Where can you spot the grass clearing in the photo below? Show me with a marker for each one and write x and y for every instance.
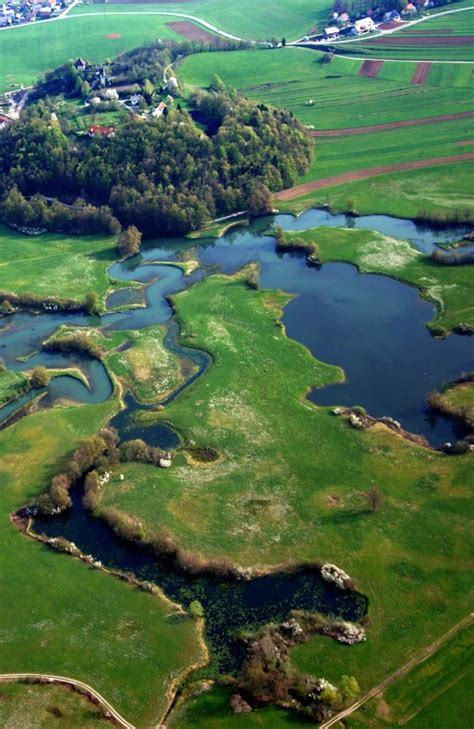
(60, 616)
(56, 265)
(284, 493)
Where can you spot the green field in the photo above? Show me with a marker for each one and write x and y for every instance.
(56, 265)
(437, 693)
(60, 616)
(450, 287)
(43, 707)
(27, 52)
(247, 19)
(292, 77)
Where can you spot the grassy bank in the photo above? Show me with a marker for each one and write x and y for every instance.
(55, 265)
(440, 190)
(290, 483)
(61, 617)
(12, 384)
(450, 287)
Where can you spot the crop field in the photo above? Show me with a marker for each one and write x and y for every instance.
(247, 19)
(36, 264)
(277, 494)
(27, 52)
(93, 627)
(435, 693)
(47, 706)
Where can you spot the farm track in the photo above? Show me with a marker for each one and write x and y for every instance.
(412, 663)
(82, 687)
(299, 190)
(350, 131)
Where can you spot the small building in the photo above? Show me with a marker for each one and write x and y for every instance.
(99, 131)
(135, 99)
(80, 64)
(364, 25)
(331, 33)
(410, 9)
(172, 84)
(45, 12)
(156, 113)
(343, 18)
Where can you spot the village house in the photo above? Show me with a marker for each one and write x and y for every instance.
(156, 113)
(331, 33)
(364, 25)
(99, 131)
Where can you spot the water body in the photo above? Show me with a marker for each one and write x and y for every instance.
(370, 325)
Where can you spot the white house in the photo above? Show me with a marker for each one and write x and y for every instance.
(365, 25)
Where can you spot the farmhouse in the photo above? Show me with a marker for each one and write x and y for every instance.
(365, 25)
(156, 113)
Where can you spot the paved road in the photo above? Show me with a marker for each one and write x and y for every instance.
(427, 653)
(63, 680)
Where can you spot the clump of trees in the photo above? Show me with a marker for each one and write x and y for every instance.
(129, 241)
(78, 342)
(39, 377)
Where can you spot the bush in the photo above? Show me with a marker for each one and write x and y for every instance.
(39, 377)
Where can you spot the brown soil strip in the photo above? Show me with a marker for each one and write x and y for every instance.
(113, 36)
(391, 125)
(299, 190)
(391, 24)
(466, 143)
(421, 72)
(370, 69)
(191, 32)
(429, 31)
(396, 40)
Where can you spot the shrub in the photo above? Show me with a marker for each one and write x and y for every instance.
(39, 377)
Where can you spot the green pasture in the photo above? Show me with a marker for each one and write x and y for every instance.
(445, 188)
(293, 77)
(450, 287)
(56, 265)
(289, 484)
(60, 616)
(246, 19)
(43, 707)
(27, 52)
(461, 23)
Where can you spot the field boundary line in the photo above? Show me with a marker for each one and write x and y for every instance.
(45, 678)
(308, 187)
(371, 128)
(412, 663)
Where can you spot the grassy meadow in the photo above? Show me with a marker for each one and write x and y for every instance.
(57, 265)
(449, 287)
(278, 493)
(59, 615)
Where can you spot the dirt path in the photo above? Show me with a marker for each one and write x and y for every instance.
(391, 125)
(80, 686)
(426, 653)
(305, 189)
